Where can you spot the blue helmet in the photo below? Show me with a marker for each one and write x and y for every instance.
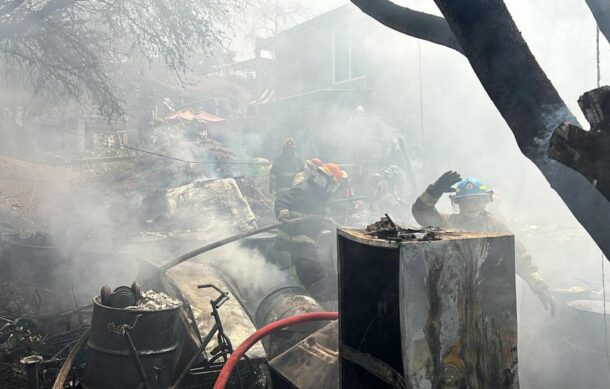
(471, 186)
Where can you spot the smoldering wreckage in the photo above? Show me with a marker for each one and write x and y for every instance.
(165, 275)
(394, 306)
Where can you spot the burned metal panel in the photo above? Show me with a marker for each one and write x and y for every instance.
(210, 203)
(458, 311)
(310, 364)
(369, 320)
(439, 314)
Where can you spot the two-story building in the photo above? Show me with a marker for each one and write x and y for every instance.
(341, 87)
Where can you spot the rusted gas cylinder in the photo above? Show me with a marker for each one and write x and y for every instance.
(157, 338)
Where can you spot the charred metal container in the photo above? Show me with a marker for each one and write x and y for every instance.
(438, 311)
(280, 304)
(129, 347)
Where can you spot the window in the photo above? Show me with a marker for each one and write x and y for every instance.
(348, 53)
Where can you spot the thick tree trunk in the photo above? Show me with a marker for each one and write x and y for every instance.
(525, 98)
(601, 13)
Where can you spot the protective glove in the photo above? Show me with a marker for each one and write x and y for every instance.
(283, 215)
(444, 184)
(546, 299)
(308, 270)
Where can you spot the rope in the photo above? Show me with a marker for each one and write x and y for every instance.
(598, 56)
(173, 158)
(421, 97)
(605, 317)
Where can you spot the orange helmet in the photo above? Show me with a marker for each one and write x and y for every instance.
(317, 162)
(289, 143)
(333, 170)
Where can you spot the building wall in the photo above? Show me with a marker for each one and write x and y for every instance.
(330, 65)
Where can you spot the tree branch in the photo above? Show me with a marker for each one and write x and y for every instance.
(601, 12)
(10, 7)
(527, 100)
(413, 23)
(518, 87)
(33, 19)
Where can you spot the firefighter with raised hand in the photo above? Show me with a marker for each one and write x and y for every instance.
(472, 196)
(285, 168)
(300, 239)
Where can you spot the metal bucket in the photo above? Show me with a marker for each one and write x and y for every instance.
(156, 336)
(587, 324)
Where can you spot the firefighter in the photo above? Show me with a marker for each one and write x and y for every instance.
(472, 196)
(388, 192)
(301, 239)
(284, 169)
(310, 166)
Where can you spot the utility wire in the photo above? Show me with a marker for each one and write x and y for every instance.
(173, 158)
(421, 99)
(603, 257)
(605, 317)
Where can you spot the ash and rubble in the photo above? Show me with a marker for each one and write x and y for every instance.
(154, 301)
(73, 222)
(386, 228)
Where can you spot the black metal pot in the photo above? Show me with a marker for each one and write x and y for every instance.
(156, 337)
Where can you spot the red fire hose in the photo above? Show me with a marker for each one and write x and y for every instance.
(225, 373)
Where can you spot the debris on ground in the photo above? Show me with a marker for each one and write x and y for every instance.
(26, 336)
(154, 301)
(385, 228)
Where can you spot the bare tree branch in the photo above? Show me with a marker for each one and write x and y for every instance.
(69, 48)
(523, 95)
(11, 6)
(413, 23)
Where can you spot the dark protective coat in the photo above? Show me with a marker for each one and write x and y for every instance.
(283, 170)
(301, 239)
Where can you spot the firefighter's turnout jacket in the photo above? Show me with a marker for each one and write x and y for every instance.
(426, 214)
(301, 239)
(283, 170)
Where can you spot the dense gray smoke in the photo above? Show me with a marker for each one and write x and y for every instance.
(106, 219)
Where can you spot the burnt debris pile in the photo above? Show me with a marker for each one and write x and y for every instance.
(386, 228)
